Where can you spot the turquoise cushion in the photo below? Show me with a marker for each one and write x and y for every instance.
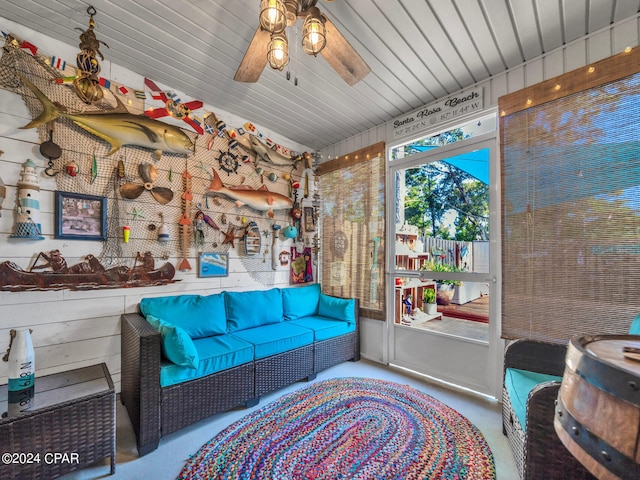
(635, 326)
(253, 308)
(337, 308)
(177, 346)
(216, 354)
(323, 327)
(301, 301)
(519, 384)
(199, 316)
(276, 338)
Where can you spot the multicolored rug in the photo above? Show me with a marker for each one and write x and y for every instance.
(347, 428)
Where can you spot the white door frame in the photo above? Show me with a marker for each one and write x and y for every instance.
(487, 357)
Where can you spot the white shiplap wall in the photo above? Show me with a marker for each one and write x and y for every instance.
(72, 329)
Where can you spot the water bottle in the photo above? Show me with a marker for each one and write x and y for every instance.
(22, 366)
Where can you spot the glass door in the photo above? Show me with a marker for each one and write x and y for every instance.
(443, 284)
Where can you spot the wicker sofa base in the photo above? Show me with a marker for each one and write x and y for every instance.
(335, 350)
(215, 393)
(273, 373)
(156, 411)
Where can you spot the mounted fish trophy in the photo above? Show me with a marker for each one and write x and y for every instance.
(118, 127)
(319, 35)
(148, 173)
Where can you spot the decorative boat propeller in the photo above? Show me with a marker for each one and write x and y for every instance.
(148, 173)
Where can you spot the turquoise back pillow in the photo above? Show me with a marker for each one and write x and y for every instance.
(337, 308)
(300, 302)
(252, 309)
(199, 316)
(635, 326)
(177, 346)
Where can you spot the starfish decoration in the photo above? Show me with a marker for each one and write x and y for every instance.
(136, 214)
(230, 236)
(266, 233)
(205, 169)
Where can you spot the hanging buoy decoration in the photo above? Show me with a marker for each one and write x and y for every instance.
(290, 231)
(163, 232)
(71, 168)
(126, 232)
(22, 365)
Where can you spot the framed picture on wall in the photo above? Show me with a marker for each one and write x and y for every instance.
(80, 217)
(212, 264)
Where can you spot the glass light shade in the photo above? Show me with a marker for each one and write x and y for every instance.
(272, 15)
(88, 89)
(278, 52)
(314, 35)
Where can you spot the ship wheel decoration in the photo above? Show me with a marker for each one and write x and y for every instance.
(228, 162)
(148, 173)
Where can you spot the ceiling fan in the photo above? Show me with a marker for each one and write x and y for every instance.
(320, 35)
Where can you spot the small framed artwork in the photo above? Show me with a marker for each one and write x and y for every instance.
(213, 264)
(80, 217)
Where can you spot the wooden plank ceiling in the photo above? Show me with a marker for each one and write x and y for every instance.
(418, 51)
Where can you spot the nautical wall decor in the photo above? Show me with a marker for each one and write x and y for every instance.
(28, 204)
(118, 166)
(87, 84)
(54, 274)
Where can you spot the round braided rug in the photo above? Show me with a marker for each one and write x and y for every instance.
(347, 428)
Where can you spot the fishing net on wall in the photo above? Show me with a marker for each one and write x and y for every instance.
(98, 174)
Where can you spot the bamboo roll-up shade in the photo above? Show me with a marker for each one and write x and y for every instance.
(571, 206)
(352, 231)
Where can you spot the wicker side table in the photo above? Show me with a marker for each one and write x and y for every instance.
(71, 425)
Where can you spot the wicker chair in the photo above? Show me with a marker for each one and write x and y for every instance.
(538, 451)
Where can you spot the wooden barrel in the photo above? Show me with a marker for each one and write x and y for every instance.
(598, 411)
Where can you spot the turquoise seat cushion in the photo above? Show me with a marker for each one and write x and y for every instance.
(519, 384)
(199, 316)
(177, 346)
(216, 354)
(337, 308)
(635, 326)
(253, 308)
(300, 302)
(323, 327)
(276, 338)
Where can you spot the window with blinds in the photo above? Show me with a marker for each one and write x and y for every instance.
(571, 203)
(352, 228)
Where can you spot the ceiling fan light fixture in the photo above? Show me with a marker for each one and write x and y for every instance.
(273, 15)
(314, 34)
(278, 51)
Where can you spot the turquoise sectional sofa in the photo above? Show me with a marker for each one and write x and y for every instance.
(187, 357)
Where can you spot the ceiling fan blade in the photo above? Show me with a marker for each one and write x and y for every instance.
(344, 59)
(255, 58)
(131, 191)
(162, 194)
